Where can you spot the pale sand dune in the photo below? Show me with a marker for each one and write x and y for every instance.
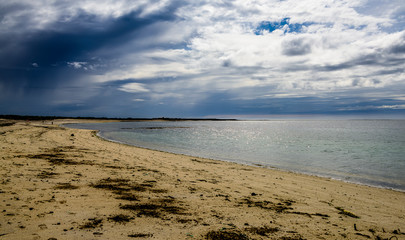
(58, 183)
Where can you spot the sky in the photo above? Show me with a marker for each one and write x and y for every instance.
(202, 58)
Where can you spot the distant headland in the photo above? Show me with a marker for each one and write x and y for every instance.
(42, 118)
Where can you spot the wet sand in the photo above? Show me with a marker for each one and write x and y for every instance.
(59, 183)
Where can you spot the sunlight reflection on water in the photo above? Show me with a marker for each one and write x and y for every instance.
(363, 151)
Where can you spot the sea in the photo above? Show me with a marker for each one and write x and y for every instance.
(368, 152)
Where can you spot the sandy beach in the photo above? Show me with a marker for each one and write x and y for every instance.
(60, 183)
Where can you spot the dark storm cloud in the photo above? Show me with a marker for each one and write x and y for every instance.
(44, 70)
(13, 7)
(75, 39)
(36, 58)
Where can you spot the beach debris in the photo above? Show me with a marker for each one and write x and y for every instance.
(92, 223)
(117, 184)
(363, 235)
(120, 186)
(347, 213)
(292, 238)
(280, 207)
(6, 124)
(127, 196)
(205, 161)
(54, 158)
(42, 226)
(396, 231)
(225, 235)
(120, 218)
(112, 166)
(185, 221)
(301, 213)
(46, 174)
(321, 215)
(65, 186)
(262, 231)
(152, 209)
(140, 235)
(59, 156)
(124, 189)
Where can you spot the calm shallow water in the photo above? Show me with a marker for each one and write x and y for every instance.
(369, 152)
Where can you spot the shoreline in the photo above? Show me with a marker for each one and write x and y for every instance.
(358, 182)
(260, 166)
(257, 165)
(68, 183)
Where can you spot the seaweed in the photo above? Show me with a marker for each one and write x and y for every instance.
(45, 174)
(46, 156)
(310, 214)
(92, 223)
(63, 161)
(140, 207)
(120, 218)
(140, 235)
(139, 187)
(127, 196)
(158, 190)
(184, 221)
(346, 213)
(112, 167)
(152, 210)
(225, 235)
(262, 231)
(321, 215)
(118, 185)
(149, 210)
(112, 187)
(363, 235)
(301, 213)
(166, 200)
(278, 207)
(57, 156)
(205, 162)
(55, 159)
(112, 184)
(391, 238)
(6, 124)
(292, 238)
(65, 186)
(123, 189)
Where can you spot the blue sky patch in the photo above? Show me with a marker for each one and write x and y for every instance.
(283, 24)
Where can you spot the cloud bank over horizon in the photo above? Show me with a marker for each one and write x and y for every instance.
(178, 58)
